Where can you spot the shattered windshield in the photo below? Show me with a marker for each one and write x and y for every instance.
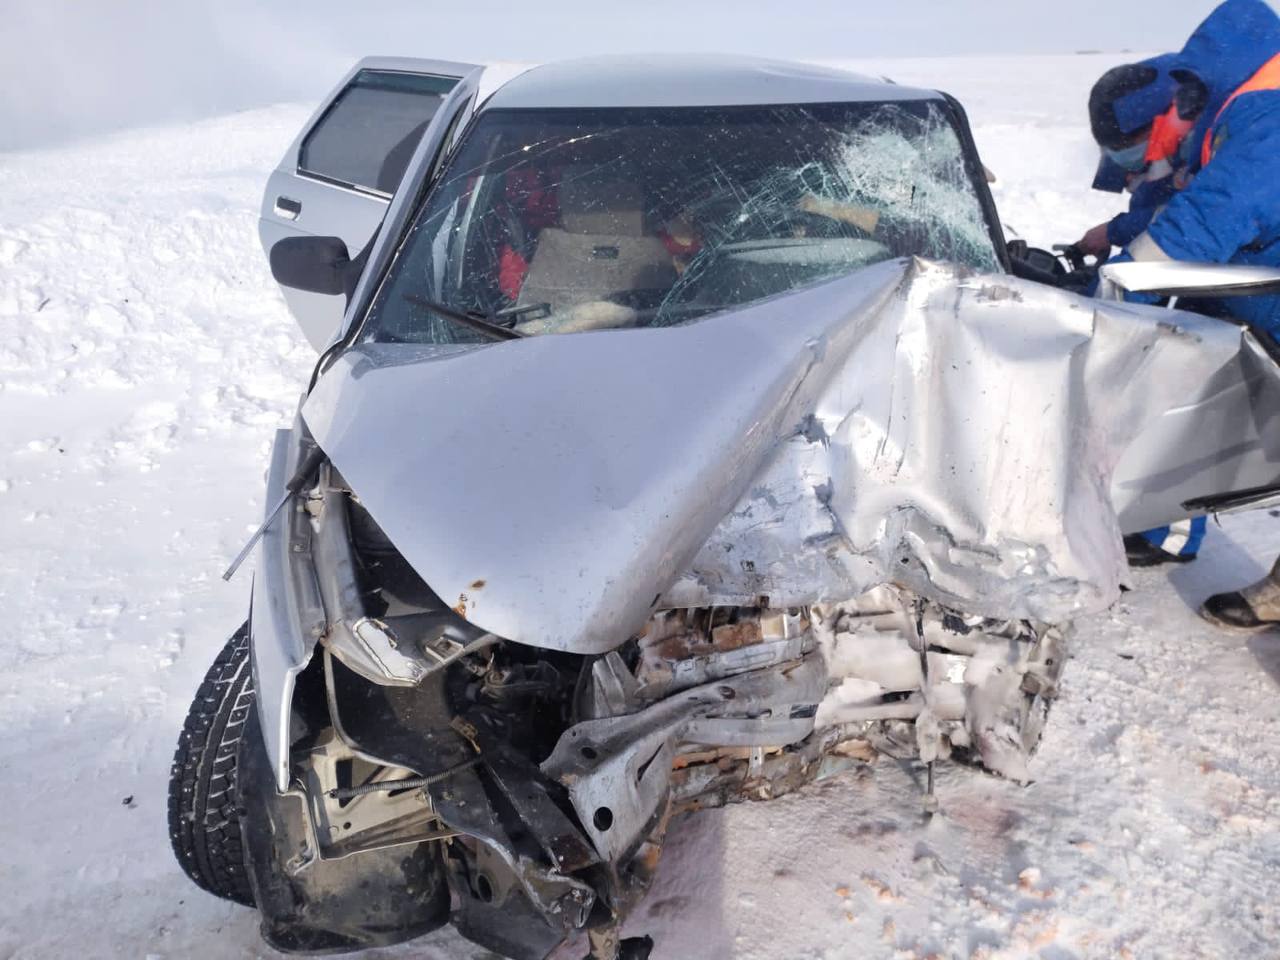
(562, 220)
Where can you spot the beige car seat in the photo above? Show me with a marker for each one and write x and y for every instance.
(600, 250)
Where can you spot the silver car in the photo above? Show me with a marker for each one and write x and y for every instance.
(682, 433)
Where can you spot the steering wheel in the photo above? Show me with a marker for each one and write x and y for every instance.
(1072, 254)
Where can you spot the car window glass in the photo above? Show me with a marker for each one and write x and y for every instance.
(560, 220)
(366, 138)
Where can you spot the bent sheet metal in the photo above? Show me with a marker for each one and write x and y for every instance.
(962, 436)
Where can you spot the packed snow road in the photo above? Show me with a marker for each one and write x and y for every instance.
(145, 359)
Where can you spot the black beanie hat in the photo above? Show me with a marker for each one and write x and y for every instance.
(1117, 83)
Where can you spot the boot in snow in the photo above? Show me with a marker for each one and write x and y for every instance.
(1141, 552)
(1254, 608)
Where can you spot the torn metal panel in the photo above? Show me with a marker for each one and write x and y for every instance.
(617, 769)
(968, 453)
(287, 614)
(909, 423)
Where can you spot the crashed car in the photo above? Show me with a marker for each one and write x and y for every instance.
(688, 434)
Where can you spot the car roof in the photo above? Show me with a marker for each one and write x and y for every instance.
(447, 68)
(680, 80)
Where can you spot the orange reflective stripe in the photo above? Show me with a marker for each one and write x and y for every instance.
(1167, 133)
(1267, 78)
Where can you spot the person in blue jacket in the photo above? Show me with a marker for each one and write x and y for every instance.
(1228, 76)
(1135, 124)
(1229, 86)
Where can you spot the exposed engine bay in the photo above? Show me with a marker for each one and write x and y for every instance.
(533, 787)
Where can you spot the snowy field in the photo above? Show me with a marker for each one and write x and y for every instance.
(145, 358)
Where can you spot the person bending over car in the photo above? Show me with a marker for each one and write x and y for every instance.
(1228, 76)
(1136, 124)
(1229, 87)
(1137, 128)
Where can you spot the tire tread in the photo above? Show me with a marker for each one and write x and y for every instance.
(204, 819)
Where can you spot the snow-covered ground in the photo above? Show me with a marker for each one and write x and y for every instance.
(146, 356)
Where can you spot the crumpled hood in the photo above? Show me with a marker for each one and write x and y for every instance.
(907, 423)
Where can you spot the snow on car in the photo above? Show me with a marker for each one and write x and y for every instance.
(522, 597)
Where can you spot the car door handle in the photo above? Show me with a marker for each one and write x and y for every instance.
(288, 207)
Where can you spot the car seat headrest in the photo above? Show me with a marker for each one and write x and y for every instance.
(601, 203)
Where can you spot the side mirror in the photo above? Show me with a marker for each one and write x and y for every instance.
(313, 264)
(1181, 278)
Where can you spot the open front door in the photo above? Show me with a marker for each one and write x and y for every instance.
(338, 176)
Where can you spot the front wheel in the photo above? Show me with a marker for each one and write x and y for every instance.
(204, 818)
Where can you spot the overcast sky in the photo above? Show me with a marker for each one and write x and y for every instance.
(75, 67)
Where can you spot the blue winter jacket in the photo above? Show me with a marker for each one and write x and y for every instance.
(1230, 212)
(1143, 205)
(1228, 48)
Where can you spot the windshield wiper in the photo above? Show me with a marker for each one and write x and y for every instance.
(472, 321)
